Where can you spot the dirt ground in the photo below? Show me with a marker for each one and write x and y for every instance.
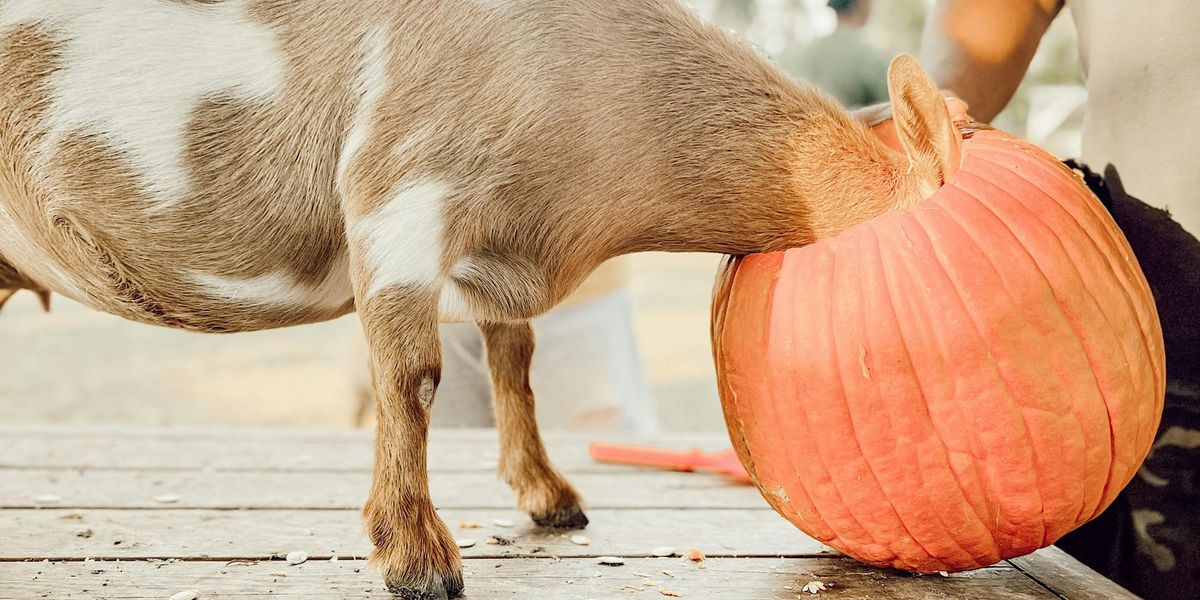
(78, 366)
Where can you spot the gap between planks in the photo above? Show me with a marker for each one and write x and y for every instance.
(1067, 578)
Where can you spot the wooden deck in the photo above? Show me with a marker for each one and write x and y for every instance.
(147, 513)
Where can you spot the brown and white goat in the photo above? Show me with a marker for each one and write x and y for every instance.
(231, 165)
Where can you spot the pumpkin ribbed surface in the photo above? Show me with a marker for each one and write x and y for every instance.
(952, 384)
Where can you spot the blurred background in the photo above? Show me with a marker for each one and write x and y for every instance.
(76, 366)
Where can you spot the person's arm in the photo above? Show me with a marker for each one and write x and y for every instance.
(979, 50)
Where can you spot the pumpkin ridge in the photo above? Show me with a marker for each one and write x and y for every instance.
(773, 405)
(1066, 316)
(906, 221)
(924, 400)
(988, 487)
(887, 301)
(722, 298)
(1009, 394)
(1123, 283)
(957, 221)
(850, 420)
(910, 527)
(738, 413)
(863, 340)
(1085, 341)
(829, 534)
(834, 484)
(1113, 247)
(1073, 321)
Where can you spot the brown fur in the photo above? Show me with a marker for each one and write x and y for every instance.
(26, 56)
(541, 490)
(572, 132)
(412, 544)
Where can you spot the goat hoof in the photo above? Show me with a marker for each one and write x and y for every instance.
(568, 518)
(438, 589)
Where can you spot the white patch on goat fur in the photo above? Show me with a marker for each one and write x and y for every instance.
(453, 306)
(370, 85)
(280, 289)
(403, 240)
(133, 72)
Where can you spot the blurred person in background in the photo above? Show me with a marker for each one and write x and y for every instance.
(1141, 144)
(844, 64)
(587, 371)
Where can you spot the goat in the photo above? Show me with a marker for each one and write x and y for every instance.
(233, 165)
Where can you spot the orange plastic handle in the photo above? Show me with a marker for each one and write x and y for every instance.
(677, 460)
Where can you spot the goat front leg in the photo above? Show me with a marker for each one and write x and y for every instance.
(413, 547)
(541, 490)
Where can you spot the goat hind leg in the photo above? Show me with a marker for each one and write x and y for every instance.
(541, 490)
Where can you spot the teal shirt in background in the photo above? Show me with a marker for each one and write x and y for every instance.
(845, 65)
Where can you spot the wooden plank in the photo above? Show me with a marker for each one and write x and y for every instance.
(216, 433)
(543, 579)
(263, 455)
(229, 534)
(223, 434)
(270, 450)
(1069, 578)
(332, 490)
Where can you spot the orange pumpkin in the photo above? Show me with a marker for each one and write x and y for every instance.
(951, 384)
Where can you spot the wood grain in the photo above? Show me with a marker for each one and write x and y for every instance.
(256, 449)
(343, 490)
(243, 497)
(1070, 579)
(541, 579)
(228, 534)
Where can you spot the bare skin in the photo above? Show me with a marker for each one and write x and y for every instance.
(978, 51)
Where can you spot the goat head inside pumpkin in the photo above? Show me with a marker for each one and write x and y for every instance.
(952, 383)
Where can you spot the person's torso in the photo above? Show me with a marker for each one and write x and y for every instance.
(1142, 62)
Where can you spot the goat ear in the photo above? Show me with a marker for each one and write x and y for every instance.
(922, 121)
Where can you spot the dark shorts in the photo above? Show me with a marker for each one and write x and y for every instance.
(1149, 539)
